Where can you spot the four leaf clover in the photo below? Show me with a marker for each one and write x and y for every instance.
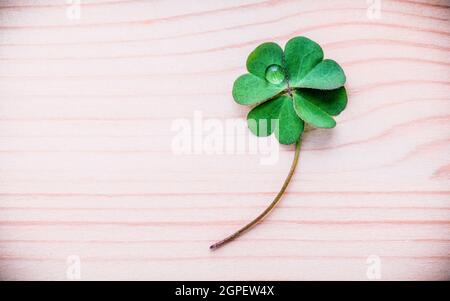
(289, 88)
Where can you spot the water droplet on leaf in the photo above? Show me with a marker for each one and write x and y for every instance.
(275, 74)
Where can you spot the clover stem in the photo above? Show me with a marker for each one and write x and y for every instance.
(266, 212)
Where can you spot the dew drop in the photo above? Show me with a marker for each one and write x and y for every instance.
(275, 74)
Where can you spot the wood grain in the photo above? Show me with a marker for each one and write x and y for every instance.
(87, 167)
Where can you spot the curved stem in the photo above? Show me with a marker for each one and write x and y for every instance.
(268, 209)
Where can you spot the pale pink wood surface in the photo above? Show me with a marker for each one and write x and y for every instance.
(87, 169)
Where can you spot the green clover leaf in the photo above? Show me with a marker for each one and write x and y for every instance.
(297, 80)
(277, 115)
(288, 88)
(249, 89)
(301, 55)
(263, 56)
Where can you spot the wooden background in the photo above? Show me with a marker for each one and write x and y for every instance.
(87, 167)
